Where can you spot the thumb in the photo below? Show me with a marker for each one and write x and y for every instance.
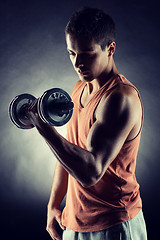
(59, 220)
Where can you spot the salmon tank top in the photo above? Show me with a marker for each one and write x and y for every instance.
(116, 197)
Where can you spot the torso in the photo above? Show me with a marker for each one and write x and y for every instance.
(115, 198)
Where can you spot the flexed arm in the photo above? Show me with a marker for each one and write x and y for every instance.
(116, 118)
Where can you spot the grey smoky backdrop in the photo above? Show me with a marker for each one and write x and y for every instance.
(33, 58)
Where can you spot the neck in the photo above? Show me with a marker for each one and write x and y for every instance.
(96, 84)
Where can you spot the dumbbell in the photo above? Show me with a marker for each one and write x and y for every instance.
(55, 107)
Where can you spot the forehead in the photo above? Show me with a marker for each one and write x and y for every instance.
(81, 44)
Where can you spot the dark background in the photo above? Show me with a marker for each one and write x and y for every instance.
(33, 58)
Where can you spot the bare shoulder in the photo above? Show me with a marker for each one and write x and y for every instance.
(131, 96)
(122, 95)
(122, 98)
(127, 90)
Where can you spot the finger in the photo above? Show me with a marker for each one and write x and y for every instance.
(58, 218)
(33, 105)
(61, 225)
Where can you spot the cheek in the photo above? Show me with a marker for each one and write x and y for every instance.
(103, 62)
(72, 61)
(100, 65)
(97, 65)
(93, 63)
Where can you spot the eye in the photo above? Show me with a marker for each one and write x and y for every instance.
(89, 55)
(71, 53)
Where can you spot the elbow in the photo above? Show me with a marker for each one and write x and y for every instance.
(91, 172)
(87, 184)
(92, 177)
(90, 182)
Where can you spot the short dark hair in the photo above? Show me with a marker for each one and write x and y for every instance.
(92, 22)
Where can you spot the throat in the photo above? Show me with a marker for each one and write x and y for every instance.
(92, 87)
(89, 88)
(87, 94)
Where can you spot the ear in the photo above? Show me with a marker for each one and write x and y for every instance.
(111, 48)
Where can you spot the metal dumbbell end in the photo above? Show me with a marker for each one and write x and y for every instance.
(55, 107)
(17, 110)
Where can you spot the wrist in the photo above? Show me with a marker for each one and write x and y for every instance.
(53, 205)
(45, 130)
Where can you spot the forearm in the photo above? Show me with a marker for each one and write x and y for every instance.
(77, 161)
(59, 186)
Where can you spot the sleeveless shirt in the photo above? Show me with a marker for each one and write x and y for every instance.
(116, 197)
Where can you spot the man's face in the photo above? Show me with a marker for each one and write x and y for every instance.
(87, 57)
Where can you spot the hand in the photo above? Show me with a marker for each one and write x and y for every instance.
(32, 114)
(54, 219)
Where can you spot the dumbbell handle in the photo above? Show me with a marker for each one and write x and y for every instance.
(56, 107)
(53, 107)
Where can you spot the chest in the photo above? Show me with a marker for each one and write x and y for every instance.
(92, 103)
(86, 97)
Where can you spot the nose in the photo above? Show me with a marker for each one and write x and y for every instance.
(78, 61)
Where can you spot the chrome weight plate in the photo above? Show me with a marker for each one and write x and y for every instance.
(55, 107)
(17, 109)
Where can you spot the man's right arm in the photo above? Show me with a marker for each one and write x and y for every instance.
(59, 189)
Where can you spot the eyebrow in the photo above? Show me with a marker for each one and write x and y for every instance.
(84, 50)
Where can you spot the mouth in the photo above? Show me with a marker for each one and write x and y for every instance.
(83, 73)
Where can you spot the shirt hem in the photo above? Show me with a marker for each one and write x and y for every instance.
(97, 227)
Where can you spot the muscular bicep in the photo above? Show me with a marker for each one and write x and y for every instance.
(115, 119)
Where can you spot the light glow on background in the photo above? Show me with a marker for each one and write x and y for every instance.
(33, 58)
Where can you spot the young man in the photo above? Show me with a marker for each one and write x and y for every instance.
(96, 163)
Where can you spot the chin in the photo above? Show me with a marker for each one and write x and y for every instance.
(86, 79)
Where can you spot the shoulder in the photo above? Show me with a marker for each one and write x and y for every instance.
(123, 93)
(78, 83)
(123, 99)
